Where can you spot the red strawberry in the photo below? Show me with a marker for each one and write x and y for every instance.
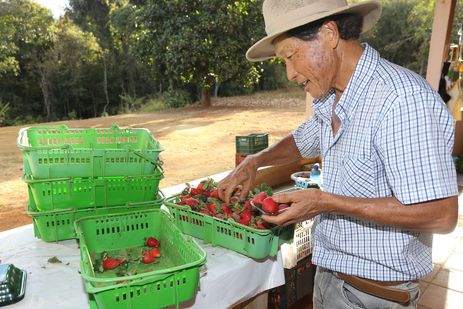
(259, 197)
(110, 263)
(242, 221)
(262, 226)
(246, 215)
(147, 258)
(215, 194)
(200, 188)
(247, 204)
(155, 252)
(194, 191)
(212, 207)
(191, 201)
(269, 205)
(205, 212)
(226, 210)
(152, 242)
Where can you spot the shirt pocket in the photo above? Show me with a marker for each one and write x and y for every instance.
(358, 177)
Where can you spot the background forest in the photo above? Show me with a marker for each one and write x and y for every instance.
(106, 57)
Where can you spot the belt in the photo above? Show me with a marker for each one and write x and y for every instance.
(381, 289)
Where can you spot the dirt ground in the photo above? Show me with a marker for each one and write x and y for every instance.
(198, 142)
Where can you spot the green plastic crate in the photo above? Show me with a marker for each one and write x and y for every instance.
(248, 241)
(59, 225)
(59, 151)
(252, 143)
(175, 278)
(89, 192)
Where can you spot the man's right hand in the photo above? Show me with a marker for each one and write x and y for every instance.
(244, 174)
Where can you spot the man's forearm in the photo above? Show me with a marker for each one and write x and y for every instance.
(282, 152)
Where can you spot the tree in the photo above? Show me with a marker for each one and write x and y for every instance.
(403, 32)
(64, 70)
(201, 42)
(26, 37)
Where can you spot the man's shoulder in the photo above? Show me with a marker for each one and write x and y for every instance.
(399, 79)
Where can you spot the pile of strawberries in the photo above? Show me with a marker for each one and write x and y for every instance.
(204, 199)
(148, 256)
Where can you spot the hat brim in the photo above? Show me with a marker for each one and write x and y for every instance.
(264, 49)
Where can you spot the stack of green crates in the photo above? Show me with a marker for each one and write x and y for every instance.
(249, 144)
(72, 173)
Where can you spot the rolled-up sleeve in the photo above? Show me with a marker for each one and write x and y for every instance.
(415, 141)
(307, 137)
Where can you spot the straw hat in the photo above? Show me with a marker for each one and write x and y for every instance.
(283, 15)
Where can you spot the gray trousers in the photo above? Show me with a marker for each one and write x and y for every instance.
(330, 292)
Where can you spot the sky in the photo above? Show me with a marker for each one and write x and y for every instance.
(56, 6)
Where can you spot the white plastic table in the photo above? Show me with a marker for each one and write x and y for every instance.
(228, 278)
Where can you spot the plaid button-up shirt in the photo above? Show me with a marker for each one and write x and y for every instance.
(395, 139)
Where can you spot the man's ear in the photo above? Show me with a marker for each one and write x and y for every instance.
(331, 32)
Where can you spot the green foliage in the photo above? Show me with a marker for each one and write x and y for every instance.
(72, 115)
(4, 107)
(403, 32)
(25, 33)
(131, 103)
(200, 42)
(176, 98)
(153, 104)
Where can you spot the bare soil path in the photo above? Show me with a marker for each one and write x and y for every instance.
(198, 142)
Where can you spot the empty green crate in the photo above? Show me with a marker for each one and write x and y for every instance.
(59, 225)
(248, 241)
(59, 151)
(174, 279)
(62, 193)
(252, 143)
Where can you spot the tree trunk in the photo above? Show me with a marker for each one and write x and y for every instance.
(45, 86)
(206, 97)
(216, 88)
(105, 87)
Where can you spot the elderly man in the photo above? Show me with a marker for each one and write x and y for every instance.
(385, 139)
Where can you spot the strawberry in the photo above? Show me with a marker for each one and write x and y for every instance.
(191, 201)
(147, 258)
(194, 191)
(110, 263)
(259, 197)
(269, 205)
(200, 188)
(262, 226)
(242, 221)
(205, 212)
(247, 204)
(152, 242)
(212, 207)
(226, 210)
(155, 252)
(215, 194)
(246, 215)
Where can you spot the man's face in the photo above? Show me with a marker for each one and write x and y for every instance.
(309, 63)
